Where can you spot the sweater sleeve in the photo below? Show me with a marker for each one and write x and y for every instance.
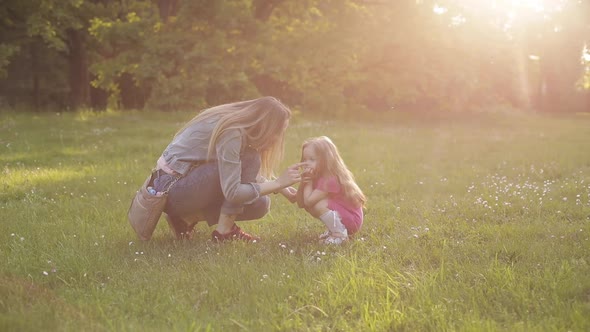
(228, 148)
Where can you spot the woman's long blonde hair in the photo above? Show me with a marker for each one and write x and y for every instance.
(263, 122)
(330, 163)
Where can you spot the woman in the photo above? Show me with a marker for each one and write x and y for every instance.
(219, 162)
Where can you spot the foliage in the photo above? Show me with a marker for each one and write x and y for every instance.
(323, 56)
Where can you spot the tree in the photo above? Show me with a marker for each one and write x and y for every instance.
(50, 29)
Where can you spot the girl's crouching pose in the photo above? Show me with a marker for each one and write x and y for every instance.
(328, 190)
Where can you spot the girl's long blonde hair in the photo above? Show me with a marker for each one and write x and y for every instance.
(263, 122)
(330, 163)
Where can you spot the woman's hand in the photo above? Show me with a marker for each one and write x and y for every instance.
(290, 176)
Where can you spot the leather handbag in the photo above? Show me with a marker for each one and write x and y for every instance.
(146, 208)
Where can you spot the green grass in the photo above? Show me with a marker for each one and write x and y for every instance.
(478, 224)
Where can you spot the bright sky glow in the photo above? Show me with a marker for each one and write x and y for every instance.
(439, 10)
(509, 12)
(536, 5)
(507, 5)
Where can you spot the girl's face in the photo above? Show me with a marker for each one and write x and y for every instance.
(310, 158)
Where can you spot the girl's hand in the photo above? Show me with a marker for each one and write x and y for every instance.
(307, 175)
(290, 193)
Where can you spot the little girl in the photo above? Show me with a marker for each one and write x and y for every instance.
(328, 190)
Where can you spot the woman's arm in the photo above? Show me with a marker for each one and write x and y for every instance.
(289, 177)
(289, 192)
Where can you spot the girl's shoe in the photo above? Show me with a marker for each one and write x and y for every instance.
(324, 235)
(337, 240)
(236, 233)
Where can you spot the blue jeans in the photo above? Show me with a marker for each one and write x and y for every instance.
(199, 192)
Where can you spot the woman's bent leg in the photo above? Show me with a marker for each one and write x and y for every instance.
(230, 212)
(256, 210)
(187, 198)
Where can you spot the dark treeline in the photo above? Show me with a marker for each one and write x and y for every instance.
(317, 55)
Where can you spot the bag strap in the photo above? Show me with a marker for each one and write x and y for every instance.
(176, 178)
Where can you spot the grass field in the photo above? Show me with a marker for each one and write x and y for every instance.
(479, 224)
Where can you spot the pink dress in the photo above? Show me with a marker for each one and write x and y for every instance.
(352, 216)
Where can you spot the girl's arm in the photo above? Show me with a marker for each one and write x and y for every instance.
(312, 196)
(299, 197)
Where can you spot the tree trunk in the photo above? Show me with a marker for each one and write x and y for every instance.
(78, 65)
(167, 8)
(263, 8)
(35, 73)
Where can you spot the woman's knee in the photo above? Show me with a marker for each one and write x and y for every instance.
(258, 209)
(261, 206)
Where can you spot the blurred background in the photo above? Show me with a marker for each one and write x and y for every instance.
(320, 56)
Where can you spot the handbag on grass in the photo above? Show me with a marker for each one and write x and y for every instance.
(146, 208)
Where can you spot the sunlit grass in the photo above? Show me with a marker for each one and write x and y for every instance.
(472, 224)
